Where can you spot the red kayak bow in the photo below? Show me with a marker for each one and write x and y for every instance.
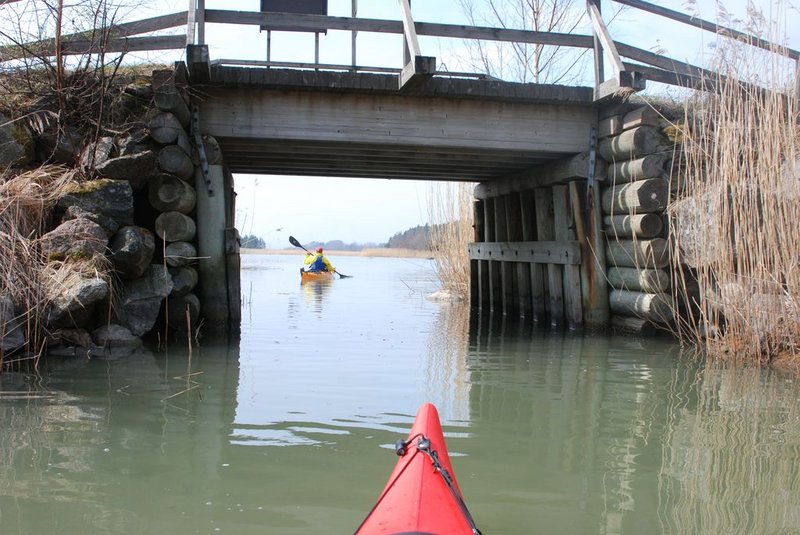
(422, 496)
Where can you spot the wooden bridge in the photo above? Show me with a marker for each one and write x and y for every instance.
(541, 153)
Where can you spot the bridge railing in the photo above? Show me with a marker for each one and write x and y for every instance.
(631, 65)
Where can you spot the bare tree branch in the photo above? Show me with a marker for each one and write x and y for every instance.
(528, 62)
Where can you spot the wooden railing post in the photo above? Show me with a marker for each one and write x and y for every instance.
(353, 34)
(416, 67)
(599, 69)
(201, 22)
(196, 23)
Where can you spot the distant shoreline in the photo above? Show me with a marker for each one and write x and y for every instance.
(375, 252)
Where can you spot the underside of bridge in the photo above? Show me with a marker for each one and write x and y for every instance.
(511, 138)
(337, 124)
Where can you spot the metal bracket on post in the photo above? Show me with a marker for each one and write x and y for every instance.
(592, 156)
(590, 178)
(201, 149)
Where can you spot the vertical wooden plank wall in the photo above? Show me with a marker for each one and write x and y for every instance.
(479, 269)
(522, 277)
(543, 200)
(562, 225)
(495, 285)
(506, 267)
(533, 256)
(534, 271)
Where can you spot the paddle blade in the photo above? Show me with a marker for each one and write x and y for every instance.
(341, 276)
(294, 242)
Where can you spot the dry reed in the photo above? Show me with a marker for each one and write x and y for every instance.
(451, 218)
(735, 220)
(25, 204)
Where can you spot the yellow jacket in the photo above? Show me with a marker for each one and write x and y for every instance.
(312, 258)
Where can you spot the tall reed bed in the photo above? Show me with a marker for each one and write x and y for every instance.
(736, 219)
(450, 214)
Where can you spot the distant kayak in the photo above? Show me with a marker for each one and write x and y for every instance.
(309, 276)
(422, 496)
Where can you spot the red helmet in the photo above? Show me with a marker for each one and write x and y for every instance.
(319, 249)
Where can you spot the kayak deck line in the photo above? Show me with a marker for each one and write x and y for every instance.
(422, 494)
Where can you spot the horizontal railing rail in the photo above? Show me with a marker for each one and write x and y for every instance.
(656, 67)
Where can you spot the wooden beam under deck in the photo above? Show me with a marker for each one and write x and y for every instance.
(539, 252)
(274, 156)
(387, 135)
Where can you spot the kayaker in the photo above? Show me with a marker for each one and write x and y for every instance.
(317, 262)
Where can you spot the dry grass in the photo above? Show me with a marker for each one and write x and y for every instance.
(25, 204)
(736, 220)
(451, 218)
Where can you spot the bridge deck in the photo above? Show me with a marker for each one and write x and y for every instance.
(318, 123)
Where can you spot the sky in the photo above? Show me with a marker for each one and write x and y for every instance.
(360, 210)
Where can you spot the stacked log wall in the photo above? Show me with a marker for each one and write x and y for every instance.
(120, 252)
(634, 197)
(172, 195)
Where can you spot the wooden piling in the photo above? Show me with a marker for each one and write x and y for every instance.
(543, 200)
(521, 270)
(175, 226)
(650, 195)
(506, 267)
(637, 225)
(165, 128)
(648, 166)
(562, 217)
(495, 284)
(480, 268)
(642, 280)
(639, 254)
(536, 284)
(474, 265)
(588, 229)
(632, 144)
(168, 98)
(648, 306)
(169, 193)
(176, 161)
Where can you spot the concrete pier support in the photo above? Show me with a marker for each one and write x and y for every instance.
(211, 212)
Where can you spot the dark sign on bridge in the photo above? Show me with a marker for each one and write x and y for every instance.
(301, 7)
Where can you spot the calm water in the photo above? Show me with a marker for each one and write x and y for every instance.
(290, 429)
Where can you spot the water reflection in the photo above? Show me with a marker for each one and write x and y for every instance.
(618, 435)
(314, 293)
(446, 374)
(550, 432)
(730, 460)
(116, 446)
